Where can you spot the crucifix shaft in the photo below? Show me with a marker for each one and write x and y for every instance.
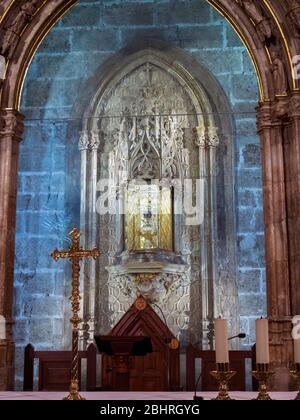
(75, 254)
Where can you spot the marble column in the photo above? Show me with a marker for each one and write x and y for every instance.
(11, 128)
(206, 282)
(88, 145)
(212, 144)
(92, 228)
(208, 141)
(270, 128)
(84, 144)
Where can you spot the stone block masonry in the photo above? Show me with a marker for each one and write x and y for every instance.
(85, 38)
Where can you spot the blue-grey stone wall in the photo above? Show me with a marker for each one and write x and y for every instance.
(49, 191)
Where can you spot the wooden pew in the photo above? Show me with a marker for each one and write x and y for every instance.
(55, 369)
(208, 359)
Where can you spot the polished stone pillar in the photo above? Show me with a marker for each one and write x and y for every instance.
(89, 143)
(207, 292)
(270, 127)
(92, 228)
(11, 128)
(84, 145)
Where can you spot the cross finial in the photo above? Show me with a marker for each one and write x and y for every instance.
(148, 73)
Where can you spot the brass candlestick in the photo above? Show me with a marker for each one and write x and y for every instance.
(75, 254)
(295, 374)
(223, 375)
(263, 375)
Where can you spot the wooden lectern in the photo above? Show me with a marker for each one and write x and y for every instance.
(121, 349)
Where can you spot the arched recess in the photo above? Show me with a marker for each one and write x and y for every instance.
(278, 120)
(203, 284)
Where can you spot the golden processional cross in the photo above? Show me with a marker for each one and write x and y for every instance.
(75, 254)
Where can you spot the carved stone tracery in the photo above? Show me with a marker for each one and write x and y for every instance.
(149, 124)
(149, 139)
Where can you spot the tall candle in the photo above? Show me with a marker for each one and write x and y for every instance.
(262, 342)
(296, 333)
(221, 336)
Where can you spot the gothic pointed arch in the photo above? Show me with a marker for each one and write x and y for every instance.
(155, 114)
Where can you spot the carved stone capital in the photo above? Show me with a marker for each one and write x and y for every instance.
(270, 113)
(200, 136)
(11, 124)
(281, 108)
(84, 141)
(89, 140)
(207, 137)
(213, 138)
(94, 140)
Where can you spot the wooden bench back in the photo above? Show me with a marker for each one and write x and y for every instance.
(55, 369)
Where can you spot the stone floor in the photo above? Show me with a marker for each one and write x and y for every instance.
(131, 396)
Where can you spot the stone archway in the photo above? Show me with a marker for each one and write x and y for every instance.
(182, 87)
(270, 31)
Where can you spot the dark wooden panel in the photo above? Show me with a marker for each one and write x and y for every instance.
(148, 373)
(55, 369)
(54, 375)
(208, 383)
(155, 372)
(28, 368)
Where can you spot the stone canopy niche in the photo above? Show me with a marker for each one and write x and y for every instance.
(157, 196)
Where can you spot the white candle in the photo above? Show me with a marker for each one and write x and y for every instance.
(296, 333)
(221, 335)
(262, 342)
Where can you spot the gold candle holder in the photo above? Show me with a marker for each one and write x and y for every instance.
(295, 374)
(223, 375)
(263, 375)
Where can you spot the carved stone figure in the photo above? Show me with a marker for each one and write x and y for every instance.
(13, 31)
(262, 24)
(279, 73)
(253, 10)
(264, 30)
(294, 14)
